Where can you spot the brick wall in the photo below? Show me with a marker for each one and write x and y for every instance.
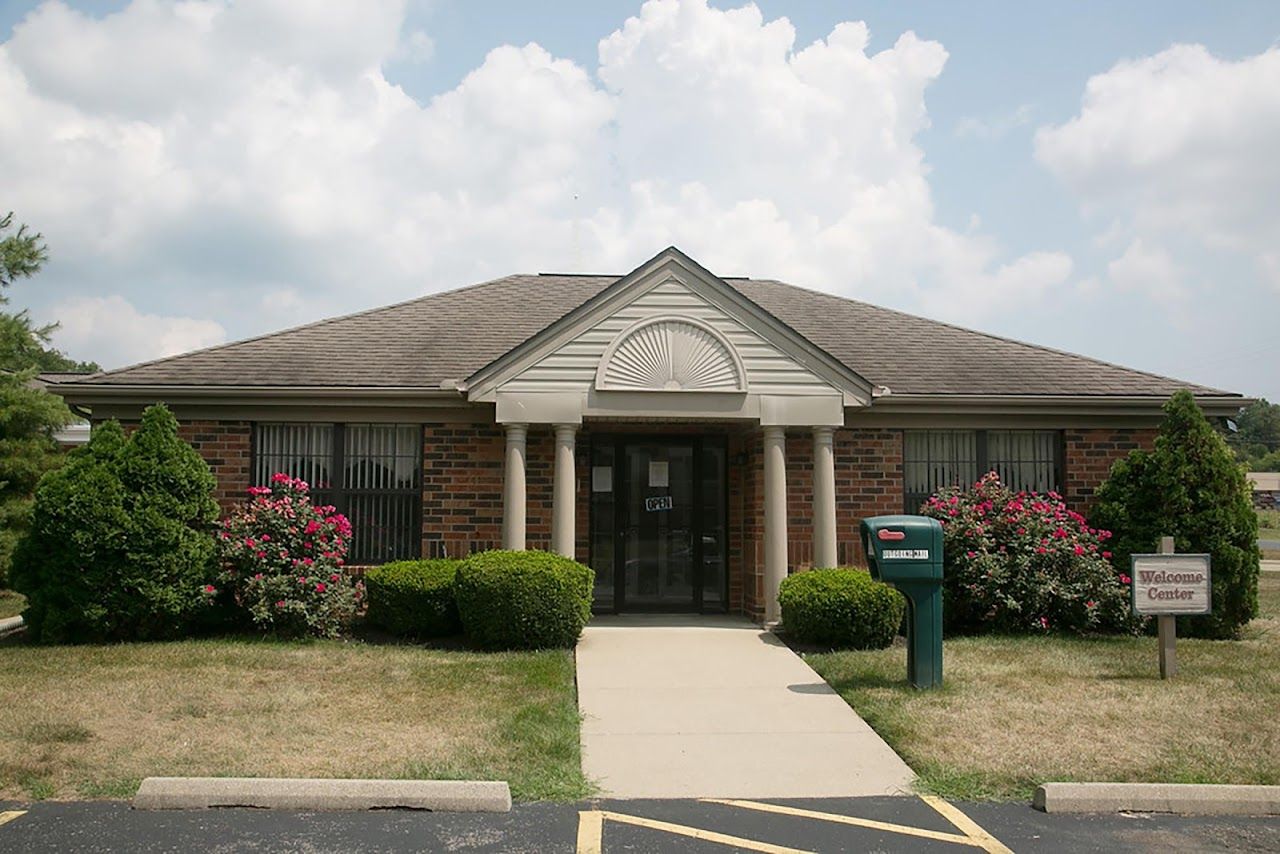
(868, 483)
(1089, 455)
(539, 484)
(224, 445)
(746, 524)
(462, 473)
(463, 469)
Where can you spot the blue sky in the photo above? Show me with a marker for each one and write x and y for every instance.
(969, 179)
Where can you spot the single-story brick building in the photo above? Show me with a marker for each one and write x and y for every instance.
(692, 438)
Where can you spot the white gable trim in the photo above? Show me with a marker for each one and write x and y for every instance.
(670, 265)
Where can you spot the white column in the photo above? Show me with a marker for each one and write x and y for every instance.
(513, 495)
(775, 519)
(824, 497)
(564, 499)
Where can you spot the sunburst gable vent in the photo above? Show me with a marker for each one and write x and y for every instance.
(670, 354)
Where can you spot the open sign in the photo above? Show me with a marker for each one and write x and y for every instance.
(658, 502)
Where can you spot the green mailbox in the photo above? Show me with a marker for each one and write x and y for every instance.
(906, 552)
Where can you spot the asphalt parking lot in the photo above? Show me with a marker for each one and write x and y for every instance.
(908, 824)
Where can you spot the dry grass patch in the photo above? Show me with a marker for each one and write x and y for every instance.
(1016, 712)
(91, 721)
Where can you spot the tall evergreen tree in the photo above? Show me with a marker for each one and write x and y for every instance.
(28, 419)
(29, 416)
(21, 253)
(24, 345)
(1190, 487)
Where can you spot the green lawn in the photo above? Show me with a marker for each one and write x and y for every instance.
(91, 721)
(1017, 712)
(11, 603)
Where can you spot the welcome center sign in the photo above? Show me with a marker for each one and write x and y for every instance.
(1169, 584)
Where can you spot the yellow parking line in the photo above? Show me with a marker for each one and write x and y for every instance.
(966, 825)
(10, 815)
(590, 831)
(872, 824)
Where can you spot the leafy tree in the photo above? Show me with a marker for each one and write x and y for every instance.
(1265, 462)
(1189, 487)
(1259, 423)
(1257, 437)
(120, 545)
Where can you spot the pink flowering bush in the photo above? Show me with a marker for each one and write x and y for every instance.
(1023, 562)
(282, 561)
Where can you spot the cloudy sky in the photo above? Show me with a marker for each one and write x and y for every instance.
(1098, 177)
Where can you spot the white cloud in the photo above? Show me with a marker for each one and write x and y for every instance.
(1179, 146)
(1149, 269)
(253, 153)
(113, 325)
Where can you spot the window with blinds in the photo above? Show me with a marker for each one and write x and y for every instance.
(372, 473)
(932, 459)
(1025, 459)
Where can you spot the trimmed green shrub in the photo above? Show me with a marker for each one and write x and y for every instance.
(1024, 562)
(523, 599)
(842, 608)
(120, 545)
(414, 597)
(1189, 487)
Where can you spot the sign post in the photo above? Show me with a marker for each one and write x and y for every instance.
(1167, 629)
(1166, 585)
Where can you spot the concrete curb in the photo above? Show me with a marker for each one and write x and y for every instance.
(11, 624)
(175, 793)
(1184, 798)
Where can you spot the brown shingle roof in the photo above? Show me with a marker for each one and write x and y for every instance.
(448, 336)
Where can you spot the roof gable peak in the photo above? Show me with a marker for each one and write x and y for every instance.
(671, 265)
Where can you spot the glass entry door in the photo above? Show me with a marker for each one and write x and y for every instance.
(658, 524)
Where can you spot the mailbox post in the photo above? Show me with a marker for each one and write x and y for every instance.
(906, 552)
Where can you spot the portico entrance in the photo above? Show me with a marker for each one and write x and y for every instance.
(671, 342)
(658, 523)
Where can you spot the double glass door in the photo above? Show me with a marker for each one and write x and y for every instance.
(658, 527)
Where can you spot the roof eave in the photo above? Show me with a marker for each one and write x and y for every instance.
(1214, 404)
(90, 393)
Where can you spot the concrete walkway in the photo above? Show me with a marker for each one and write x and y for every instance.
(680, 707)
